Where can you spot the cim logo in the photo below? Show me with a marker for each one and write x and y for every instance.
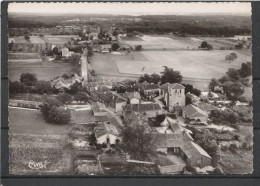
(37, 165)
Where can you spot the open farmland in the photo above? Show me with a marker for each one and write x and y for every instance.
(48, 71)
(33, 140)
(210, 63)
(160, 43)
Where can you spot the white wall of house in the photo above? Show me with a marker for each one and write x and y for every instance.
(176, 98)
(102, 139)
(134, 101)
(162, 149)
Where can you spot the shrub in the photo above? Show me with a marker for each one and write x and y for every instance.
(43, 87)
(64, 98)
(28, 79)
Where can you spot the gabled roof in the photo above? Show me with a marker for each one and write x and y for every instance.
(205, 106)
(98, 107)
(143, 107)
(161, 140)
(85, 117)
(192, 149)
(130, 95)
(104, 129)
(193, 111)
(166, 86)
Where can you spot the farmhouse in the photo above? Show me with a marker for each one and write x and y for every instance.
(178, 144)
(208, 108)
(132, 97)
(150, 109)
(85, 116)
(192, 112)
(149, 90)
(110, 99)
(61, 82)
(174, 95)
(106, 134)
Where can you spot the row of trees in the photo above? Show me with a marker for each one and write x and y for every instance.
(168, 75)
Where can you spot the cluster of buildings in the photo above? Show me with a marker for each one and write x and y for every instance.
(142, 102)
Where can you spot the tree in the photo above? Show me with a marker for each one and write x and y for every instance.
(81, 96)
(115, 33)
(64, 98)
(115, 46)
(188, 100)
(43, 87)
(188, 88)
(16, 87)
(196, 92)
(155, 78)
(47, 104)
(233, 90)
(55, 51)
(28, 79)
(138, 47)
(246, 70)
(160, 118)
(213, 83)
(129, 35)
(205, 45)
(58, 115)
(26, 37)
(170, 76)
(136, 140)
(233, 74)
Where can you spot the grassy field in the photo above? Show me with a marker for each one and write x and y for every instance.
(23, 121)
(32, 139)
(46, 72)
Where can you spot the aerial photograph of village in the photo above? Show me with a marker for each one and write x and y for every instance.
(130, 89)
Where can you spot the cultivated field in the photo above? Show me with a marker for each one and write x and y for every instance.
(159, 43)
(192, 64)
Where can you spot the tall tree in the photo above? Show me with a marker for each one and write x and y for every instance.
(28, 79)
(170, 76)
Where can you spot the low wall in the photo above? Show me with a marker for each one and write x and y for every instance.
(172, 169)
(24, 104)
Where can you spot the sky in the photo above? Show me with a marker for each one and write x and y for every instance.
(132, 8)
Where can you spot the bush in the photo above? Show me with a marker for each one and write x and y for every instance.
(81, 96)
(64, 98)
(43, 87)
(28, 79)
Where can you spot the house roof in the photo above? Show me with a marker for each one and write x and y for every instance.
(98, 107)
(205, 106)
(193, 111)
(143, 107)
(130, 95)
(192, 149)
(85, 116)
(165, 86)
(104, 129)
(109, 96)
(176, 128)
(167, 140)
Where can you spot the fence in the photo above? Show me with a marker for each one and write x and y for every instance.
(24, 104)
